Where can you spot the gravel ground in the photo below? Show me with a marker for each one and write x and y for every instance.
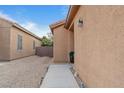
(23, 73)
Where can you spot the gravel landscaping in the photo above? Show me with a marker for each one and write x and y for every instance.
(23, 73)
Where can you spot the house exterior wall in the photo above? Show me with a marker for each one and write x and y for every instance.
(27, 44)
(99, 46)
(4, 40)
(60, 51)
(70, 36)
(4, 44)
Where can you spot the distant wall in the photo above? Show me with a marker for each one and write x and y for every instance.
(44, 51)
(27, 46)
(70, 42)
(4, 44)
(60, 45)
(4, 40)
(8, 42)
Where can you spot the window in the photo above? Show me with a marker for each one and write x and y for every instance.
(33, 44)
(19, 42)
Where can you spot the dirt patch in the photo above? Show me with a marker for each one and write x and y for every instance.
(26, 72)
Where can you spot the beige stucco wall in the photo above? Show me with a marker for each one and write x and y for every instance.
(27, 41)
(70, 42)
(8, 42)
(4, 44)
(60, 51)
(99, 46)
(4, 40)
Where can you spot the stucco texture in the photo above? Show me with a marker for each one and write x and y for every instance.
(60, 50)
(70, 41)
(27, 44)
(99, 46)
(4, 44)
(8, 42)
(4, 40)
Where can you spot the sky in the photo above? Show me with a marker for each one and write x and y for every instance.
(33, 17)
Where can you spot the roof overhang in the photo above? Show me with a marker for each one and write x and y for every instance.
(71, 14)
(56, 25)
(14, 24)
(25, 30)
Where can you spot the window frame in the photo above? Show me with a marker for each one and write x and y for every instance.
(19, 42)
(34, 44)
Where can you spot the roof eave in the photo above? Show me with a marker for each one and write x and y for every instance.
(56, 25)
(14, 24)
(71, 14)
(25, 30)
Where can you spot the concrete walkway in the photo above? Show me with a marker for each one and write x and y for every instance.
(59, 76)
(3, 63)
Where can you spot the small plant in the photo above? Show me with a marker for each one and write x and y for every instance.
(71, 55)
(47, 41)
